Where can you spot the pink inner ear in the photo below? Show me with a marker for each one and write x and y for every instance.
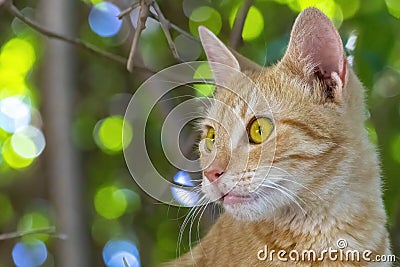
(325, 50)
(315, 38)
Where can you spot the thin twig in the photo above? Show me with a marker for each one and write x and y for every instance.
(128, 10)
(9, 6)
(49, 230)
(165, 27)
(237, 29)
(141, 25)
(89, 47)
(125, 262)
(175, 27)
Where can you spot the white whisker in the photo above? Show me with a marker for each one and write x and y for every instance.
(289, 196)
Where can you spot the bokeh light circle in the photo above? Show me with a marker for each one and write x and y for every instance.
(349, 8)
(330, 8)
(123, 258)
(183, 178)
(203, 72)
(30, 254)
(115, 251)
(112, 134)
(31, 221)
(133, 200)
(103, 19)
(28, 142)
(12, 83)
(188, 49)
(254, 24)
(12, 159)
(206, 16)
(393, 7)
(110, 202)
(19, 55)
(14, 114)
(189, 5)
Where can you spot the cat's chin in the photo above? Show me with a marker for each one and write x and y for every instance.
(237, 199)
(245, 208)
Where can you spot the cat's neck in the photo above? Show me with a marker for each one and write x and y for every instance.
(342, 217)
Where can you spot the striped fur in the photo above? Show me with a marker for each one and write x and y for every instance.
(314, 181)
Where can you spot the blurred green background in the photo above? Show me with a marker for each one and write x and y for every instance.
(82, 126)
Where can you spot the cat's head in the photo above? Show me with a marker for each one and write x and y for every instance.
(275, 138)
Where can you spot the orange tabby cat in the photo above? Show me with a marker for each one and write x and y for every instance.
(311, 179)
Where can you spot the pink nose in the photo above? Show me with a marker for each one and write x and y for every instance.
(213, 173)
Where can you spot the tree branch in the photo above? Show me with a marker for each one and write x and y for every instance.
(128, 10)
(2, 2)
(175, 27)
(125, 262)
(237, 29)
(50, 230)
(141, 25)
(165, 28)
(13, 10)
(143, 15)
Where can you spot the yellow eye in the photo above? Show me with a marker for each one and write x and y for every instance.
(259, 130)
(210, 138)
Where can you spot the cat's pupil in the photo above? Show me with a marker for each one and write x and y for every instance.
(259, 129)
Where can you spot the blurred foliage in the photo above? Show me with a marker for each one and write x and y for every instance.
(117, 208)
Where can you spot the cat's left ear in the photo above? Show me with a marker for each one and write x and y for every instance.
(315, 41)
(219, 56)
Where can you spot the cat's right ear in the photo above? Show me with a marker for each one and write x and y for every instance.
(219, 57)
(316, 51)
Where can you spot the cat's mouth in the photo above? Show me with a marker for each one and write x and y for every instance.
(234, 198)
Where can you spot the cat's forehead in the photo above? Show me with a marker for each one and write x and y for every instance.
(265, 94)
(240, 103)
